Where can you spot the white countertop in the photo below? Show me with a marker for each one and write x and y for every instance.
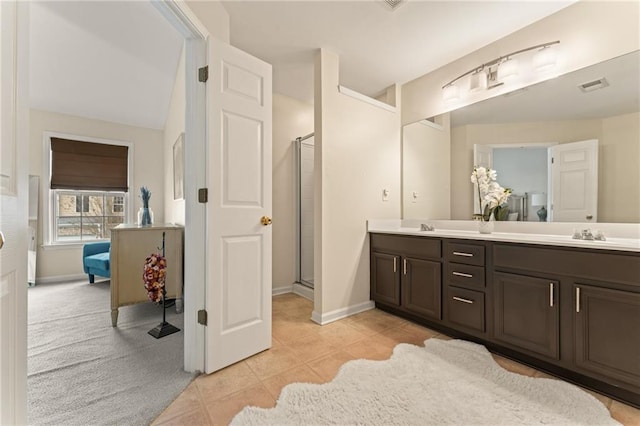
(470, 232)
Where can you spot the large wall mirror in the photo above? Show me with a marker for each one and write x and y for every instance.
(520, 132)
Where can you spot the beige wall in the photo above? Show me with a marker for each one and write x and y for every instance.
(357, 155)
(174, 210)
(148, 164)
(618, 177)
(589, 32)
(619, 169)
(291, 119)
(426, 152)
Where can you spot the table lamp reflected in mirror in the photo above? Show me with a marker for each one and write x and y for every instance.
(540, 200)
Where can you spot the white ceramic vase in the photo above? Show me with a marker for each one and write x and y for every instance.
(485, 226)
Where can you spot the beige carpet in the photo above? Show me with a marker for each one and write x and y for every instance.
(83, 371)
(445, 383)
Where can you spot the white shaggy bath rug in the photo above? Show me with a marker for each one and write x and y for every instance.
(447, 382)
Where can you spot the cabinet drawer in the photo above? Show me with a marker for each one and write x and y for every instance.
(470, 254)
(423, 247)
(465, 275)
(466, 308)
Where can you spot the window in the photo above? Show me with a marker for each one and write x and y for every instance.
(118, 205)
(84, 215)
(82, 204)
(88, 188)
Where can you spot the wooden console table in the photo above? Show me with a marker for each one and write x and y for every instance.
(130, 246)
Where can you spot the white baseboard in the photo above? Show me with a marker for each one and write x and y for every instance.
(275, 291)
(64, 278)
(332, 316)
(303, 290)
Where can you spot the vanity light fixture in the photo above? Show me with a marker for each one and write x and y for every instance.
(544, 59)
(493, 73)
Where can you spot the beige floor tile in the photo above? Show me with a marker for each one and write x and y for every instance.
(286, 330)
(226, 381)
(187, 402)
(195, 417)
(311, 346)
(513, 366)
(222, 411)
(625, 414)
(340, 334)
(404, 335)
(374, 323)
(327, 367)
(544, 375)
(419, 331)
(273, 361)
(375, 347)
(301, 374)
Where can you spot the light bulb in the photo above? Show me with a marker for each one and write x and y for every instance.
(477, 81)
(508, 69)
(545, 59)
(450, 92)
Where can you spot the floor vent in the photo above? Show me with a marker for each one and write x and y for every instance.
(590, 86)
(393, 4)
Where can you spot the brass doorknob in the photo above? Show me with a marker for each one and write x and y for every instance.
(265, 220)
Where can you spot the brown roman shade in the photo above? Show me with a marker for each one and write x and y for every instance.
(88, 166)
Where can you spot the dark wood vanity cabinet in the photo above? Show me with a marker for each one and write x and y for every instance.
(464, 286)
(385, 282)
(526, 313)
(607, 333)
(406, 273)
(573, 312)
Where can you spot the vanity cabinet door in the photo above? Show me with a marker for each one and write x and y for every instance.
(607, 340)
(385, 278)
(421, 287)
(526, 313)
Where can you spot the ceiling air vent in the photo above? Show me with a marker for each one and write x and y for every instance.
(393, 4)
(590, 86)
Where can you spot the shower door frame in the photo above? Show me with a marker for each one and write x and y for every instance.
(298, 201)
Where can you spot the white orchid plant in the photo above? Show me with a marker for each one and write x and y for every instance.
(491, 195)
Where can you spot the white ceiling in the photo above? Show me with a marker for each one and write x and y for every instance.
(116, 60)
(377, 46)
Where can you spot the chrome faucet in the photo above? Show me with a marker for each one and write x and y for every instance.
(587, 235)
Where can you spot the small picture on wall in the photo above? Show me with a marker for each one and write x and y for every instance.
(178, 168)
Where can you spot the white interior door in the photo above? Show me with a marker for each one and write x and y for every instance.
(239, 179)
(574, 176)
(13, 218)
(482, 157)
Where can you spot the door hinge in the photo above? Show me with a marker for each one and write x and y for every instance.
(203, 74)
(203, 195)
(551, 160)
(202, 317)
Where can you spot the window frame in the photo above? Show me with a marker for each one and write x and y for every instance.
(49, 195)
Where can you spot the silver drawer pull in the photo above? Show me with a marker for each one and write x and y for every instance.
(395, 264)
(551, 295)
(577, 300)
(460, 299)
(462, 274)
(461, 253)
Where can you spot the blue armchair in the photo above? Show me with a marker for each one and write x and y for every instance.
(95, 260)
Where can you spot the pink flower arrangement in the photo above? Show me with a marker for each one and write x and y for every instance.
(155, 267)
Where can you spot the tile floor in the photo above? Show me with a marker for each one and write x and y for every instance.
(303, 351)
